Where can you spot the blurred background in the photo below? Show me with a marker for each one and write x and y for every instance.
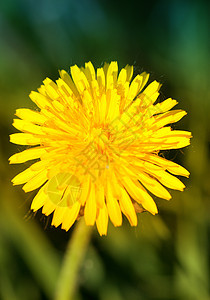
(167, 256)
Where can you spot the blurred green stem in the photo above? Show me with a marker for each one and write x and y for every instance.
(75, 253)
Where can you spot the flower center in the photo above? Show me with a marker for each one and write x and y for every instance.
(100, 138)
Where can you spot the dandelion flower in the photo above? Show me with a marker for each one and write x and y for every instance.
(96, 138)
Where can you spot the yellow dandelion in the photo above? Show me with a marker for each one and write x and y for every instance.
(96, 139)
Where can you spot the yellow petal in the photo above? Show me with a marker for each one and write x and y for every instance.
(147, 201)
(79, 78)
(65, 91)
(178, 170)
(51, 88)
(165, 105)
(67, 79)
(95, 91)
(26, 126)
(40, 100)
(171, 166)
(129, 71)
(29, 154)
(127, 207)
(151, 99)
(177, 139)
(54, 132)
(87, 102)
(113, 207)
(169, 180)
(42, 90)
(134, 88)
(111, 77)
(152, 88)
(154, 186)
(59, 107)
(85, 190)
(63, 189)
(48, 208)
(39, 165)
(89, 71)
(122, 77)
(112, 105)
(162, 132)
(39, 200)
(24, 139)
(102, 220)
(101, 79)
(100, 195)
(58, 216)
(145, 78)
(116, 189)
(31, 116)
(172, 116)
(139, 194)
(90, 207)
(70, 216)
(35, 182)
(102, 108)
(23, 176)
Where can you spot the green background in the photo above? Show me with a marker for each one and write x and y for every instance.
(167, 256)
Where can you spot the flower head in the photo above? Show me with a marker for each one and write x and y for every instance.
(96, 139)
